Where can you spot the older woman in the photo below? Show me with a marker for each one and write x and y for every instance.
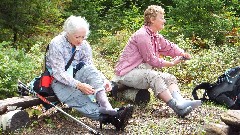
(143, 53)
(81, 84)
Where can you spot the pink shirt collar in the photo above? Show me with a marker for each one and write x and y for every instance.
(150, 32)
(154, 36)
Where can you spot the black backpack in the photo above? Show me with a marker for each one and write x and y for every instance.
(226, 91)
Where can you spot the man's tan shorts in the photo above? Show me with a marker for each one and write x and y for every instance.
(144, 77)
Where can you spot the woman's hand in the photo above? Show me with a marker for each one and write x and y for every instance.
(85, 88)
(108, 86)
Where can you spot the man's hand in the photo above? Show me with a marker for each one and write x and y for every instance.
(186, 56)
(182, 58)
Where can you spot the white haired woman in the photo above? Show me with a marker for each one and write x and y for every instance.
(143, 53)
(73, 86)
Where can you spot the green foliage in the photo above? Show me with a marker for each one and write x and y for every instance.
(49, 123)
(16, 64)
(104, 15)
(233, 6)
(111, 46)
(206, 19)
(107, 50)
(206, 64)
(22, 20)
(111, 24)
(89, 9)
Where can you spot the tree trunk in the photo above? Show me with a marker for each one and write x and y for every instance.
(137, 96)
(23, 102)
(13, 120)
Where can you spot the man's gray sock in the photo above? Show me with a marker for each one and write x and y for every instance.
(183, 103)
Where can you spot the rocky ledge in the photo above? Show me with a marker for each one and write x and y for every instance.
(229, 124)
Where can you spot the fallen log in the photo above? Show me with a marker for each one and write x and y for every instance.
(13, 120)
(137, 96)
(22, 102)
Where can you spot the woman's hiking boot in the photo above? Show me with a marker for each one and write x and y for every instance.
(120, 120)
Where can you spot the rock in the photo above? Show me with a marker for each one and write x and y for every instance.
(231, 118)
(220, 129)
(217, 129)
(230, 124)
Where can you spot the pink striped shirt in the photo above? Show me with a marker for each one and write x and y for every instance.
(145, 46)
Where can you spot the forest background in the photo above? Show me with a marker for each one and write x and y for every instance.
(207, 29)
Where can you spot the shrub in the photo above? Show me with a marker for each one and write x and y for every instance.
(111, 46)
(206, 19)
(16, 64)
(206, 64)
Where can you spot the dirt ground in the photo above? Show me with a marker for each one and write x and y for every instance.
(155, 118)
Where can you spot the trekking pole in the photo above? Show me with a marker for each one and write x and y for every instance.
(92, 131)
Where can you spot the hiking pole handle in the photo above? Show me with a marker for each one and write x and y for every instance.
(92, 131)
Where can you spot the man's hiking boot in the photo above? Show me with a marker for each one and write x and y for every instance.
(182, 112)
(120, 120)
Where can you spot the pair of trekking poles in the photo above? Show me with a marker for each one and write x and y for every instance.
(26, 88)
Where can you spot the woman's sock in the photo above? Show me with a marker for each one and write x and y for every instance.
(105, 106)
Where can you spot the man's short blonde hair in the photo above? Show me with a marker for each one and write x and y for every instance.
(152, 12)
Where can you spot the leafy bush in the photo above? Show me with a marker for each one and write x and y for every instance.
(207, 19)
(110, 16)
(206, 64)
(111, 46)
(21, 21)
(16, 64)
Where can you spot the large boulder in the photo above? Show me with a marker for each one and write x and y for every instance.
(220, 129)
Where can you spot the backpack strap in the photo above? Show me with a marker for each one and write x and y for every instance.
(68, 64)
(206, 86)
(44, 68)
(70, 61)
